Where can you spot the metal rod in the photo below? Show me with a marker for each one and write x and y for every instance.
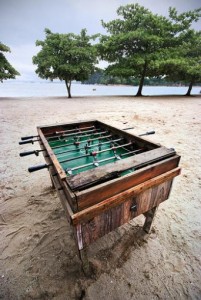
(69, 130)
(94, 153)
(28, 142)
(66, 145)
(71, 134)
(114, 148)
(55, 133)
(95, 163)
(81, 142)
(131, 152)
(36, 152)
(90, 146)
(69, 171)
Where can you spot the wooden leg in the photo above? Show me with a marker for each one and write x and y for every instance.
(52, 183)
(85, 262)
(149, 217)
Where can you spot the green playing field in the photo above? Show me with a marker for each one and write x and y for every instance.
(73, 156)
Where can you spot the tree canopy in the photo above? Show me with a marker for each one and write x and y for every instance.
(185, 65)
(67, 57)
(6, 70)
(139, 42)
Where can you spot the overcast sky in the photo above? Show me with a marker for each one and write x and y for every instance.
(22, 22)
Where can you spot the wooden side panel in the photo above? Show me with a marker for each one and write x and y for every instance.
(62, 197)
(69, 196)
(105, 190)
(51, 155)
(121, 214)
(90, 212)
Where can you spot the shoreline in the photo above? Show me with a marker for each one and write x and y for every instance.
(98, 96)
(83, 90)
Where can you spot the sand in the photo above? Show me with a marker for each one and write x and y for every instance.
(38, 257)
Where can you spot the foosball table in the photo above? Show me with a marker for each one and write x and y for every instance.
(104, 176)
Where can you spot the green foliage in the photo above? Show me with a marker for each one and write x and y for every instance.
(6, 70)
(66, 57)
(100, 77)
(139, 42)
(185, 65)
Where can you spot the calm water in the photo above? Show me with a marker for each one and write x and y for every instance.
(36, 89)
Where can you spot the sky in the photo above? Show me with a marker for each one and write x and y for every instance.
(22, 22)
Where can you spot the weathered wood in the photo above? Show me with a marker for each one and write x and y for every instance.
(62, 197)
(70, 196)
(105, 190)
(149, 217)
(53, 186)
(85, 262)
(52, 156)
(111, 171)
(94, 210)
(107, 221)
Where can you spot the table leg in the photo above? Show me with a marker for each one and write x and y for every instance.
(53, 186)
(85, 262)
(149, 217)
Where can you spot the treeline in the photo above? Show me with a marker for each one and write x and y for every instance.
(139, 46)
(101, 77)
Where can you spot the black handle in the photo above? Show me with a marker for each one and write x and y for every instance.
(150, 132)
(26, 142)
(28, 137)
(29, 153)
(38, 167)
(147, 133)
(128, 128)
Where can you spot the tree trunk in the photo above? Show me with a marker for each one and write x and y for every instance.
(68, 86)
(190, 88)
(139, 92)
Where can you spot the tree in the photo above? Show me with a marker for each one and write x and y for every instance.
(186, 64)
(66, 57)
(139, 41)
(6, 70)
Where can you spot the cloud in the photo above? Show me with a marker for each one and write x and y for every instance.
(21, 59)
(22, 22)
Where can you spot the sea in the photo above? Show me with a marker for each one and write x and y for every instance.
(52, 89)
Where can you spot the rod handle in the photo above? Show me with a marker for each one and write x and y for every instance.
(26, 153)
(128, 128)
(27, 137)
(26, 142)
(38, 167)
(148, 133)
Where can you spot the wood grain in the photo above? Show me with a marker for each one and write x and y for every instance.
(90, 212)
(51, 155)
(105, 190)
(111, 219)
(62, 197)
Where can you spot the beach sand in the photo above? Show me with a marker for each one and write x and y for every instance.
(38, 257)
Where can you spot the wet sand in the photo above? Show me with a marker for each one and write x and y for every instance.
(38, 257)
